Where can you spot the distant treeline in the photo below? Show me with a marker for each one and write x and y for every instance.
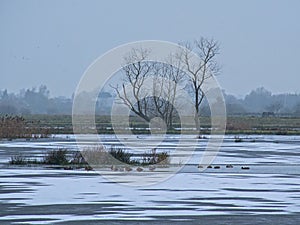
(33, 101)
(38, 101)
(261, 100)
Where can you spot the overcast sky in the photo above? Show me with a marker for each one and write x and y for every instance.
(52, 42)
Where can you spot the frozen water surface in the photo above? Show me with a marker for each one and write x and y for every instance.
(267, 193)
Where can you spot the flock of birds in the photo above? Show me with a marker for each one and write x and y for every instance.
(152, 168)
(124, 169)
(227, 166)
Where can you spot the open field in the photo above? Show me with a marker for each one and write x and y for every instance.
(235, 125)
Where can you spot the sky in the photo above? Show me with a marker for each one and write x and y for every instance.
(52, 42)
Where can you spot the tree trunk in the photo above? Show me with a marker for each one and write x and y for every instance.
(197, 122)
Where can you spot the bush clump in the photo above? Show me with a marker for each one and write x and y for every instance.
(121, 155)
(56, 157)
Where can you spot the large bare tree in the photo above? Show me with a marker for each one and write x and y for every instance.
(199, 72)
(166, 78)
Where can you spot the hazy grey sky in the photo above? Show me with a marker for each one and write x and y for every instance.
(52, 42)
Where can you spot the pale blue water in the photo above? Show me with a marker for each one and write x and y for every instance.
(268, 192)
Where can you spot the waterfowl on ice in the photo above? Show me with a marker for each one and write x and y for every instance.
(152, 168)
(245, 167)
(139, 169)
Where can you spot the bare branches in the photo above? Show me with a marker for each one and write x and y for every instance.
(200, 71)
(166, 79)
(136, 70)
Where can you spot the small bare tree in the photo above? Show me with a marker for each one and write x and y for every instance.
(136, 70)
(165, 88)
(199, 72)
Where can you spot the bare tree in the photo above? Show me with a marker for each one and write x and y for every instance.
(165, 88)
(166, 80)
(199, 72)
(166, 77)
(136, 70)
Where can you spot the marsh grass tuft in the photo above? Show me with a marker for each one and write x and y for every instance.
(153, 157)
(22, 160)
(121, 155)
(13, 126)
(18, 160)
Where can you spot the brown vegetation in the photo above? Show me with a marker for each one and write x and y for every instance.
(17, 127)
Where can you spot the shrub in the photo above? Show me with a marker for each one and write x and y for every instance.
(121, 155)
(56, 157)
(153, 157)
(163, 158)
(77, 158)
(96, 156)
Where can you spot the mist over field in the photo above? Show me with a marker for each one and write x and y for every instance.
(39, 101)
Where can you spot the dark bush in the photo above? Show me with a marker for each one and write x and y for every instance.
(121, 155)
(238, 139)
(56, 157)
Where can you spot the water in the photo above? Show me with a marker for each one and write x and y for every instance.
(267, 193)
